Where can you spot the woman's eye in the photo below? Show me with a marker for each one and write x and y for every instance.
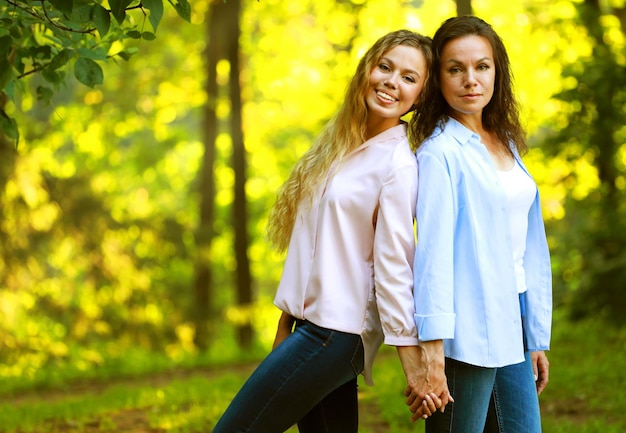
(409, 79)
(384, 67)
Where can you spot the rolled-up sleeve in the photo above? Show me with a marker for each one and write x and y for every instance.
(394, 248)
(434, 256)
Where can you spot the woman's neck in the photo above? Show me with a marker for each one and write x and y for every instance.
(376, 127)
(500, 154)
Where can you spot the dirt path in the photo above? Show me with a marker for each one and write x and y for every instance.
(137, 420)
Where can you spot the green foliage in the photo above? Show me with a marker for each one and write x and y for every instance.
(48, 38)
(591, 258)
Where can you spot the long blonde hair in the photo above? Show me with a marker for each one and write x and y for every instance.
(342, 134)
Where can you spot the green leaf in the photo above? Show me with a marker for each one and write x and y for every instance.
(6, 73)
(9, 126)
(61, 59)
(128, 53)
(40, 52)
(134, 34)
(9, 90)
(65, 6)
(118, 9)
(82, 14)
(54, 77)
(156, 12)
(183, 8)
(4, 26)
(102, 20)
(93, 53)
(148, 36)
(5, 45)
(88, 72)
(44, 94)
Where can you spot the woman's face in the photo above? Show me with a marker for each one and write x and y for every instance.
(395, 84)
(467, 74)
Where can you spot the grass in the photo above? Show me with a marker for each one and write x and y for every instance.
(585, 394)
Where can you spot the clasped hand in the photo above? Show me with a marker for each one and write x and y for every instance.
(427, 390)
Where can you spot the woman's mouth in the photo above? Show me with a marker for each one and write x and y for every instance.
(385, 96)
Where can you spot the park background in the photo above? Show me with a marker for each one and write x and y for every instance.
(139, 161)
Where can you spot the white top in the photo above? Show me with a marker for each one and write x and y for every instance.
(520, 193)
(351, 251)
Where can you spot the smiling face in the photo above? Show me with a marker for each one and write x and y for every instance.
(395, 84)
(467, 75)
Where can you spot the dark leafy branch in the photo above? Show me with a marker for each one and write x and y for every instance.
(68, 30)
(59, 26)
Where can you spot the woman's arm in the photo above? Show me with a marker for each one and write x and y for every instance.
(427, 386)
(285, 327)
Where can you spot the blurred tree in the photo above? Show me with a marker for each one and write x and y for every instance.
(239, 208)
(595, 96)
(203, 287)
(463, 7)
(223, 44)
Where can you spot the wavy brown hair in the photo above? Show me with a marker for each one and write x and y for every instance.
(500, 116)
(342, 134)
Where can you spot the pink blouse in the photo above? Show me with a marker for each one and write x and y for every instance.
(350, 258)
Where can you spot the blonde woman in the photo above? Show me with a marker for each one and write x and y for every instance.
(345, 215)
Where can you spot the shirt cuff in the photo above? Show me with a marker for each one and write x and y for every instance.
(400, 341)
(437, 327)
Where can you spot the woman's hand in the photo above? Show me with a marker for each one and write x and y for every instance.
(541, 368)
(427, 389)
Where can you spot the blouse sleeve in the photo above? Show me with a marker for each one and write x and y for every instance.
(434, 255)
(394, 248)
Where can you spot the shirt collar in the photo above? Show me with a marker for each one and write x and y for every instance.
(464, 135)
(460, 132)
(394, 132)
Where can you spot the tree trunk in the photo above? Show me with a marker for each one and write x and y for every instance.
(223, 42)
(463, 7)
(239, 209)
(203, 306)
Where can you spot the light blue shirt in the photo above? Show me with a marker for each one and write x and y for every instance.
(465, 285)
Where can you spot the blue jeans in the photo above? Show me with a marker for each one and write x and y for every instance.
(309, 379)
(490, 400)
(507, 394)
(511, 391)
